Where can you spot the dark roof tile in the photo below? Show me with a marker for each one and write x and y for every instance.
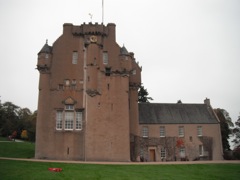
(158, 113)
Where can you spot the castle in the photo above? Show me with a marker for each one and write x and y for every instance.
(88, 106)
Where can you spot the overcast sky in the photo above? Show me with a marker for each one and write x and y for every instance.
(188, 49)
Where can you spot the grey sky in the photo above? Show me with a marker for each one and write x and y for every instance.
(189, 49)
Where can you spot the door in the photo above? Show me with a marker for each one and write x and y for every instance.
(152, 155)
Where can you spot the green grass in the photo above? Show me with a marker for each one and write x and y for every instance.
(10, 169)
(3, 138)
(17, 149)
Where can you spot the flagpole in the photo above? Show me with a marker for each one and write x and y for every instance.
(102, 11)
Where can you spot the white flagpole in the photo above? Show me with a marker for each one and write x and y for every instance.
(102, 11)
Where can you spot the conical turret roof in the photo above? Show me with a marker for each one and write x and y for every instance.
(46, 48)
(123, 51)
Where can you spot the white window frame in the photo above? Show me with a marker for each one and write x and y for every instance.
(145, 131)
(59, 120)
(181, 131)
(163, 152)
(201, 150)
(79, 117)
(105, 57)
(182, 152)
(68, 120)
(162, 131)
(74, 57)
(69, 107)
(199, 131)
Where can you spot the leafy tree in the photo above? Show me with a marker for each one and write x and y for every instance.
(143, 95)
(16, 119)
(236, 132)
(8, 118)
(24, 134)
(225, 124)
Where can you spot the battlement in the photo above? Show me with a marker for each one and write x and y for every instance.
(89, 29)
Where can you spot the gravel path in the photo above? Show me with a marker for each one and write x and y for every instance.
(127, 163)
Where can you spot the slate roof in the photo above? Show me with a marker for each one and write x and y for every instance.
(123, 51)
(158, 113)
(46, 49)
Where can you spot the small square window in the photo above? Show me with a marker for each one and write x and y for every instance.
(60, 87)
(67, 82)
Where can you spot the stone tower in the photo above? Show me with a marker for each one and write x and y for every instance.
(87, 107)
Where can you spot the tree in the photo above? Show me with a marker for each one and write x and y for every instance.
(143, 95)
(225, 124)
(8, 118)
(24, 134)
(16, 119)
(236, 132)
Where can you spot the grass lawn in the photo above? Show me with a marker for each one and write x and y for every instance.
(3, 138)
(10, 169)
(17, 149)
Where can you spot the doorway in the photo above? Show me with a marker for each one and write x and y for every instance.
(152, 155)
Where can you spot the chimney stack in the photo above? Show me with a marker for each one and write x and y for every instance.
(207, 101)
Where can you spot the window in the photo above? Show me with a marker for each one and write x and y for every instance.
(69, 107)
(145, 131)
(134, 72)
(73, 84)
(163, 153)
(199, 130)
(69, 118)
(59, 119)
(78, 120)
(67, 82)
(60, 87)
(182, 152)
(190, 138)
(105, 57)
(162, 131)
(201, 150)
(107, 71)
(74, 57)
(181, 131)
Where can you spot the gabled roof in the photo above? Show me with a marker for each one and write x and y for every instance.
(158, 113)
(46, 49)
